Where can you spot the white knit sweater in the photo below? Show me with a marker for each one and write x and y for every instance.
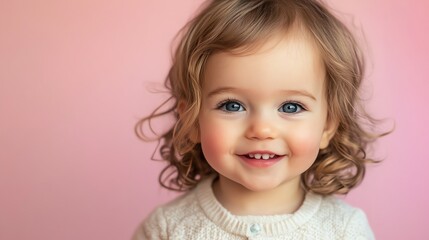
(198, 215)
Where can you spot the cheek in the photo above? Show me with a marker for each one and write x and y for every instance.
(215, 139)
(304, 144)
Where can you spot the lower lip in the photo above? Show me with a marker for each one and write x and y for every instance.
(261, 163)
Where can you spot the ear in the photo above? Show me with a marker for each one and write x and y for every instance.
(331, 127)
(194, 133)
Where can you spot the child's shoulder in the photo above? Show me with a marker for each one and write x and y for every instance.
(337, 214)
(177, 209)
(336, 206)
(181, 211)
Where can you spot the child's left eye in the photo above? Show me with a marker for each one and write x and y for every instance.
(291, 107)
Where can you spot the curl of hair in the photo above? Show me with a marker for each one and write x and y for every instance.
(237, 25)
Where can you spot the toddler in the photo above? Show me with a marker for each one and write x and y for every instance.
(267, 126)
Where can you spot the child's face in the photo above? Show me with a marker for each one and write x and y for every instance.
(271, 101)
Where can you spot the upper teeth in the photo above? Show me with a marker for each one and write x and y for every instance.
(264, 156)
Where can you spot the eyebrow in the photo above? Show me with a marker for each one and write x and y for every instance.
(289, 92)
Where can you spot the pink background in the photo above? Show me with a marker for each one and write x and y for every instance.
(74, 79)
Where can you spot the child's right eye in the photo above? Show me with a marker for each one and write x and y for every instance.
(230, 106)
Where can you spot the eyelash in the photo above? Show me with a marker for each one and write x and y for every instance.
(223, 103)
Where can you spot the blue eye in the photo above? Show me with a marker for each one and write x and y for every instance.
(231, 106)
(291, 108)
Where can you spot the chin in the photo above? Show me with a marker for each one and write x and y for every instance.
(261, 186)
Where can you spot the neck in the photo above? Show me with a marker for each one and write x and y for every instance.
(284, 199)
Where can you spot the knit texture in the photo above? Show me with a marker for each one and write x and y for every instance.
(198, 215)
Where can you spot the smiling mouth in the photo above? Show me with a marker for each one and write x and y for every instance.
(264, 156)
(261, 155)
(261, 159)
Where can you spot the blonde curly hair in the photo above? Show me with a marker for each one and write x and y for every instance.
(226, 25)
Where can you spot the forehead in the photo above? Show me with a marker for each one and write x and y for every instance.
(289, 61)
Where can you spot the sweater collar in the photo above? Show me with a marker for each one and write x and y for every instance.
(271, 225)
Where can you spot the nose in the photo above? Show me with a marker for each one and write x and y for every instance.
(261, 128)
